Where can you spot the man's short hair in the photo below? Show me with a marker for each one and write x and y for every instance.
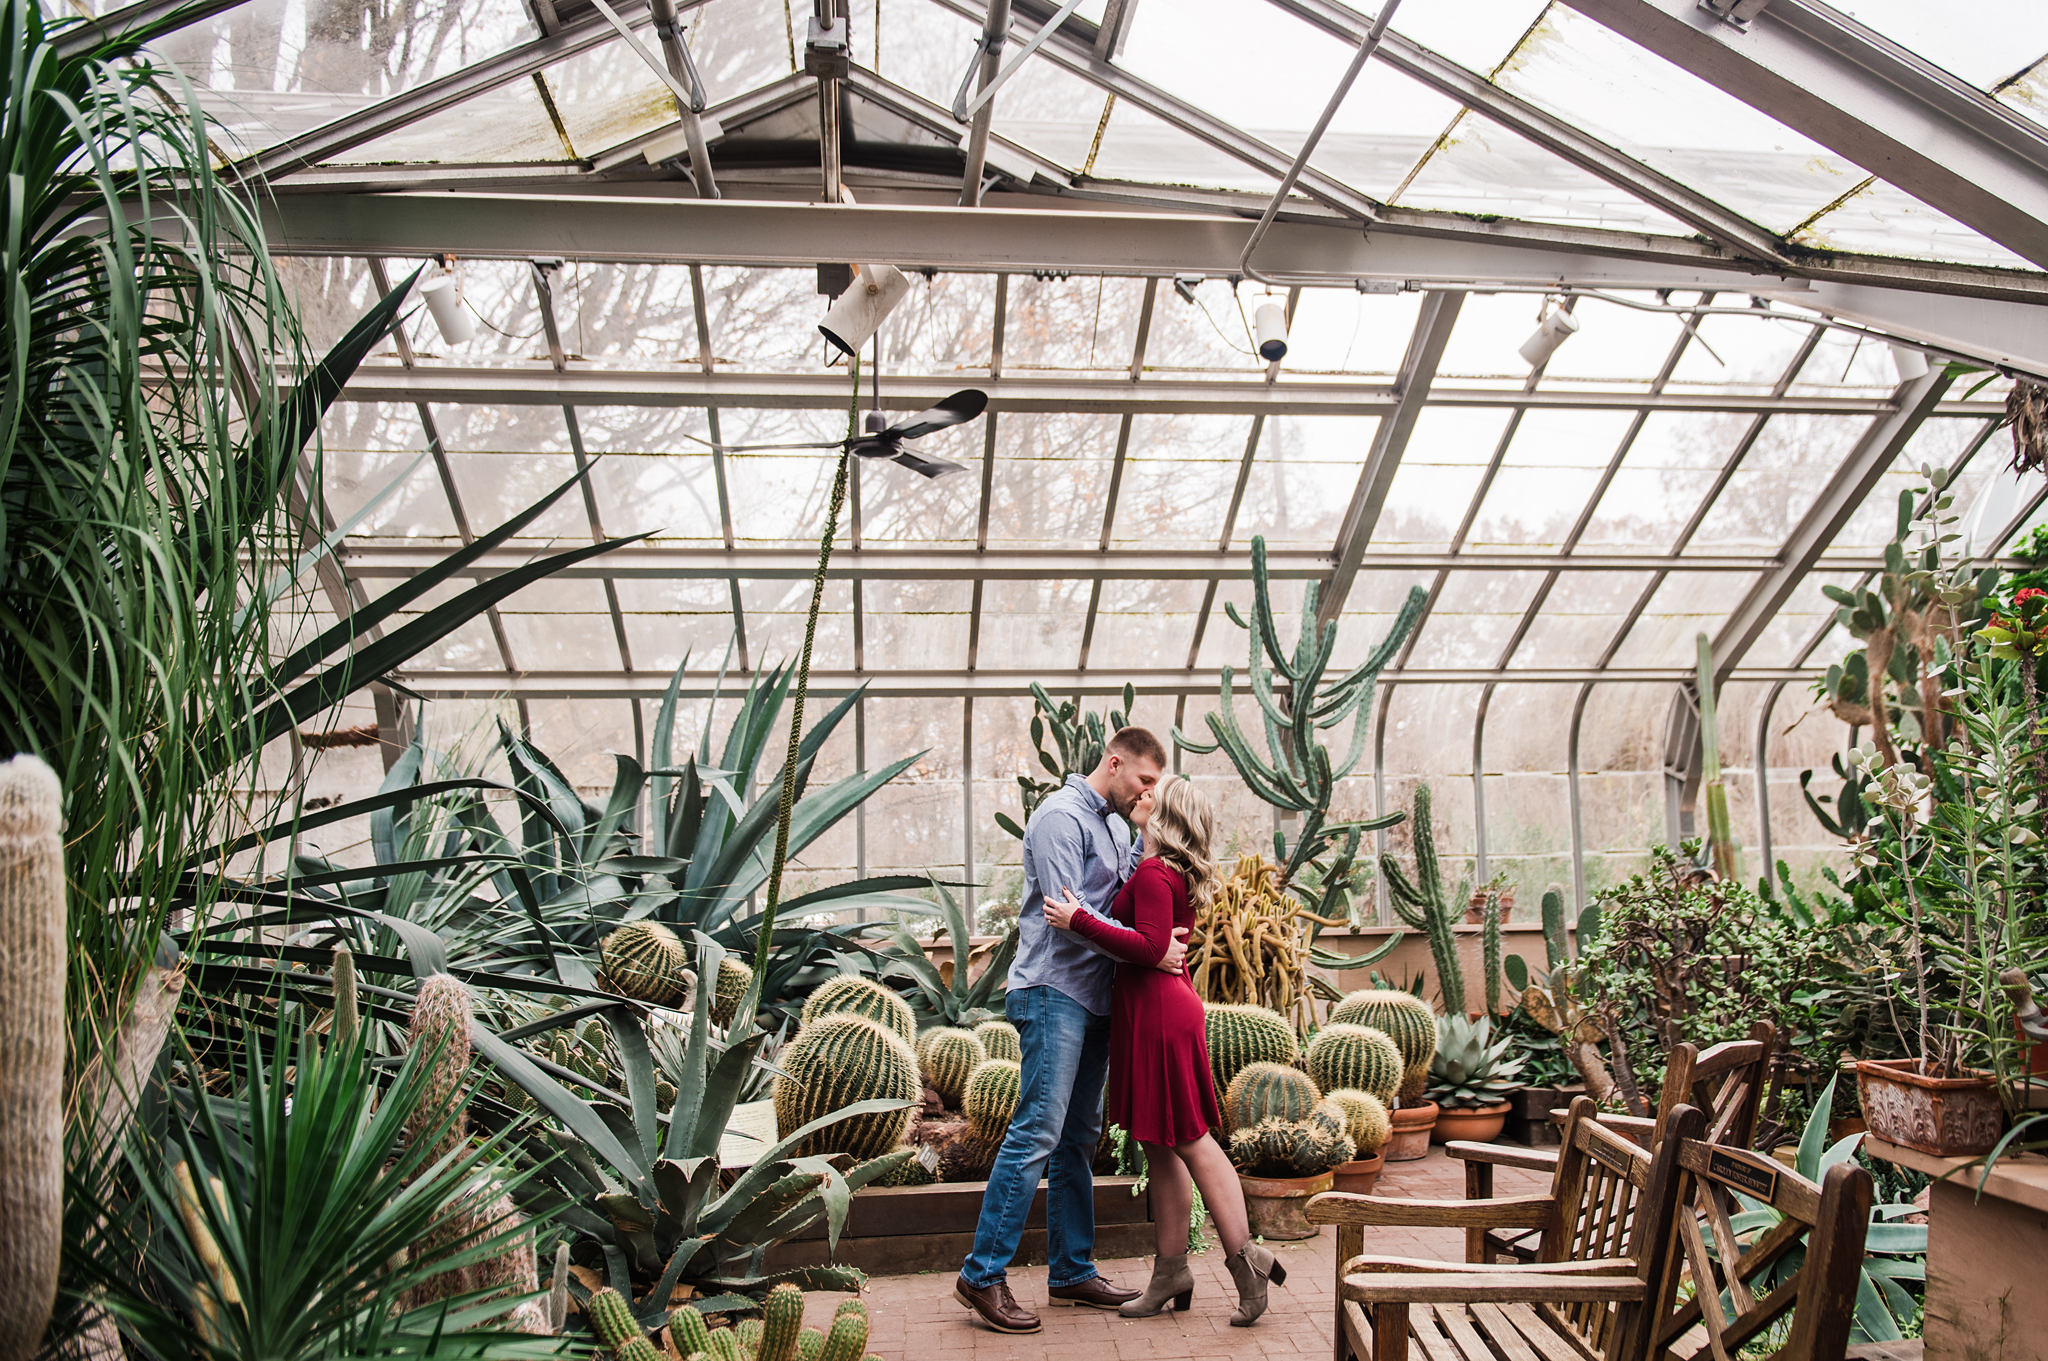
(1134, 744)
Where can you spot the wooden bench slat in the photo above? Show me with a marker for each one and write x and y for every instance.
(1540, 1333)
(1506, 1337)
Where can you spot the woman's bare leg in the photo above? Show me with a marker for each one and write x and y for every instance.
(1222, 1194)
(1173, 1198)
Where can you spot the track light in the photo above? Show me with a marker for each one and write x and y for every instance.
(1269, 330)
(1555, 329)
(1185, 285)
(859, 312)
(1911, 364)
(445, 302)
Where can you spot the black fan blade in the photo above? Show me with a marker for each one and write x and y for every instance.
(962, 406)
(930, 467)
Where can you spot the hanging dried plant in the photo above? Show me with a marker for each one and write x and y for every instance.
(2026, 411)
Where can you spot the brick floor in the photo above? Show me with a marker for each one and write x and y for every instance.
(916, 1318)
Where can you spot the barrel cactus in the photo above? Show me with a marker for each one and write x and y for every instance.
(1240, 1034)
(1358, 1056)
(1289, 1148)
(647, 962)
(1365, 1119)
(1001, 1040)
(832, 1063)
(948, 1055)
(1268, 1091)
(990, 1098)
(734, 978)
(1402, 1017)
(862, 996)
(32, 1099)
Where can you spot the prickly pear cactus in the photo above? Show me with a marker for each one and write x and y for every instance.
(1240, 1034)
(647, 962)
(32, 1041)
(832, 1063)
(1344, 1055)
(862, 996)
(1001, 1040)
(947, 1055)
(1268, 1091)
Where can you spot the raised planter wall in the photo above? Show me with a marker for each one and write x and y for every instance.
(1984, 1255)
(897, 1230)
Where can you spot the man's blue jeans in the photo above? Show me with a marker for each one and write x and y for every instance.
(1058, 1122)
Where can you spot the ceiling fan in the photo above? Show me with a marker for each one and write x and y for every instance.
(883, 440)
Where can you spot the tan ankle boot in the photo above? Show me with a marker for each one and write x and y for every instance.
(1252, 1267)
(1172, 1280)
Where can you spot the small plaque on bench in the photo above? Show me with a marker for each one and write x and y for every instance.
(1761, 1182)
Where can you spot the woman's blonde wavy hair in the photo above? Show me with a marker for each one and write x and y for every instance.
(1182, 826)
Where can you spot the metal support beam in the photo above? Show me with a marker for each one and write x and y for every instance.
(1166, 396)
(995, 32)
(96, 31)
(680, 69)
(1433, 324)
(431, 97)
(1895, 114)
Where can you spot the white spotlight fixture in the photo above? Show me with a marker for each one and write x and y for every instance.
(444, 300)
(1555, 329)
(1911, 364)
(859, 311)
(1269, 329)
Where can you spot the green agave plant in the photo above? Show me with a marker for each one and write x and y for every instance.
(1471, 1068)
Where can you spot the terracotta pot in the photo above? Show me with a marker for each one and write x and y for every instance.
(1841, 1129)
(1477, 1123)
(1274, 1205)
(1948, 1117)
(1411, 1132)
(1360, 1175)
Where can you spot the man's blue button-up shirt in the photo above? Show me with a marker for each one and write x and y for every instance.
(1071, 843)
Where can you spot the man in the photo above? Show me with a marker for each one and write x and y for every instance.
(1059, 1002)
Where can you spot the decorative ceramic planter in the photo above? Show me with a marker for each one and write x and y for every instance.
(1273, 1205)
(1948, 1117)
(1360, 1175)
(1481, 1124)
(1410, 1140)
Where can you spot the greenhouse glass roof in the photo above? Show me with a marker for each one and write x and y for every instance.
(1767, 219)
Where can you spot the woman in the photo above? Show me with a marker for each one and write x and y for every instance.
(1159, 1085)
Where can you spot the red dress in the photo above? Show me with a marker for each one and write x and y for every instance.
(1160, 1091)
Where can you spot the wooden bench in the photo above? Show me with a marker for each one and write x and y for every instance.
(1604, 1234)
(1727, 1081)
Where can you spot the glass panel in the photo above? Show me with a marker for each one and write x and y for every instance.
(1483, 168)
(1670, 466)
(1528, 794)
(1224, 643)
(942, 328)
(1621, 787)
(505, 126)
(1079, 325)
(914, 822)
(775, 623)
(1447, 456)
(1208, 337)
(1178, 480)
(1616, 348)
(1578, 618)
(1474, 617)
(1999, 34)
(1303, 478)
(610, 94)
(1798, 620)
(1429, 738)
(1553, 467)
(364, 447)
(1032, 625)
(673, 617)
(1143, 625)
(1478, 34)
(1686, 605)
(1780, 477)
(1369, 611)
(562, 624)
(652, 476)
(916, 625)
(1051, 477)
(1881, 219)
(1244, 61)
(635, 315)
(1138, 146)
(899, 505)
(1343, 331)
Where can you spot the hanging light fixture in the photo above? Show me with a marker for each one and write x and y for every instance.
(1269, 331)
(444, 300)
(1555, 329)
(860, 310)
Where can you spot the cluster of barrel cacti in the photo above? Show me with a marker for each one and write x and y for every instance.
(1294, 1113)
(854, 1045)
(778, 1335)
(1403, 1018)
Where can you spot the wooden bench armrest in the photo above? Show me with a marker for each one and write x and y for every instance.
(1504, 1155)
(1502, 1285)
(1502, 1212)
(1597, 1266)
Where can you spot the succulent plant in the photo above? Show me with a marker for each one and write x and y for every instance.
(1425, 903)
(1291, 1148)
(611, 1318)
(1001, 1040)
(948, 1055)
(862, 996)
(1359, 1056)
(834, 1062)
(1471, 1068)
(734, 978)
(647, 962)
(990, 1098)
(32, 1109)
(1366, 1121)
(688, 1333)
(1240, 1034)
(1268, 1091)
(1405, 1019)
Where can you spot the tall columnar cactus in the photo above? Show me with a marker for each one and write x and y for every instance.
(1269, 1091)
(734, 978)
(1713, 791)
(612, 1320)
(1298, 773)
(347, 1011)
(1402, 1017)
(688, 1333)
(32, 1039)
(1366, 1121)
(782, 1318)
(647, 962)
(1078, 738)
(847, 1338)
(1425, 904)
(1489, 950)
(1548, 997)
(1355, 1056)
(948, 1055)
(1240, 1034)
(1001, 1040)
(862, 996)
(834, 1062)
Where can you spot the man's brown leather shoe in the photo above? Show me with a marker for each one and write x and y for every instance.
(997, 1306)
(1094, 1292)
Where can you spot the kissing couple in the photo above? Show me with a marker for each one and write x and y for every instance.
(1100, 987)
